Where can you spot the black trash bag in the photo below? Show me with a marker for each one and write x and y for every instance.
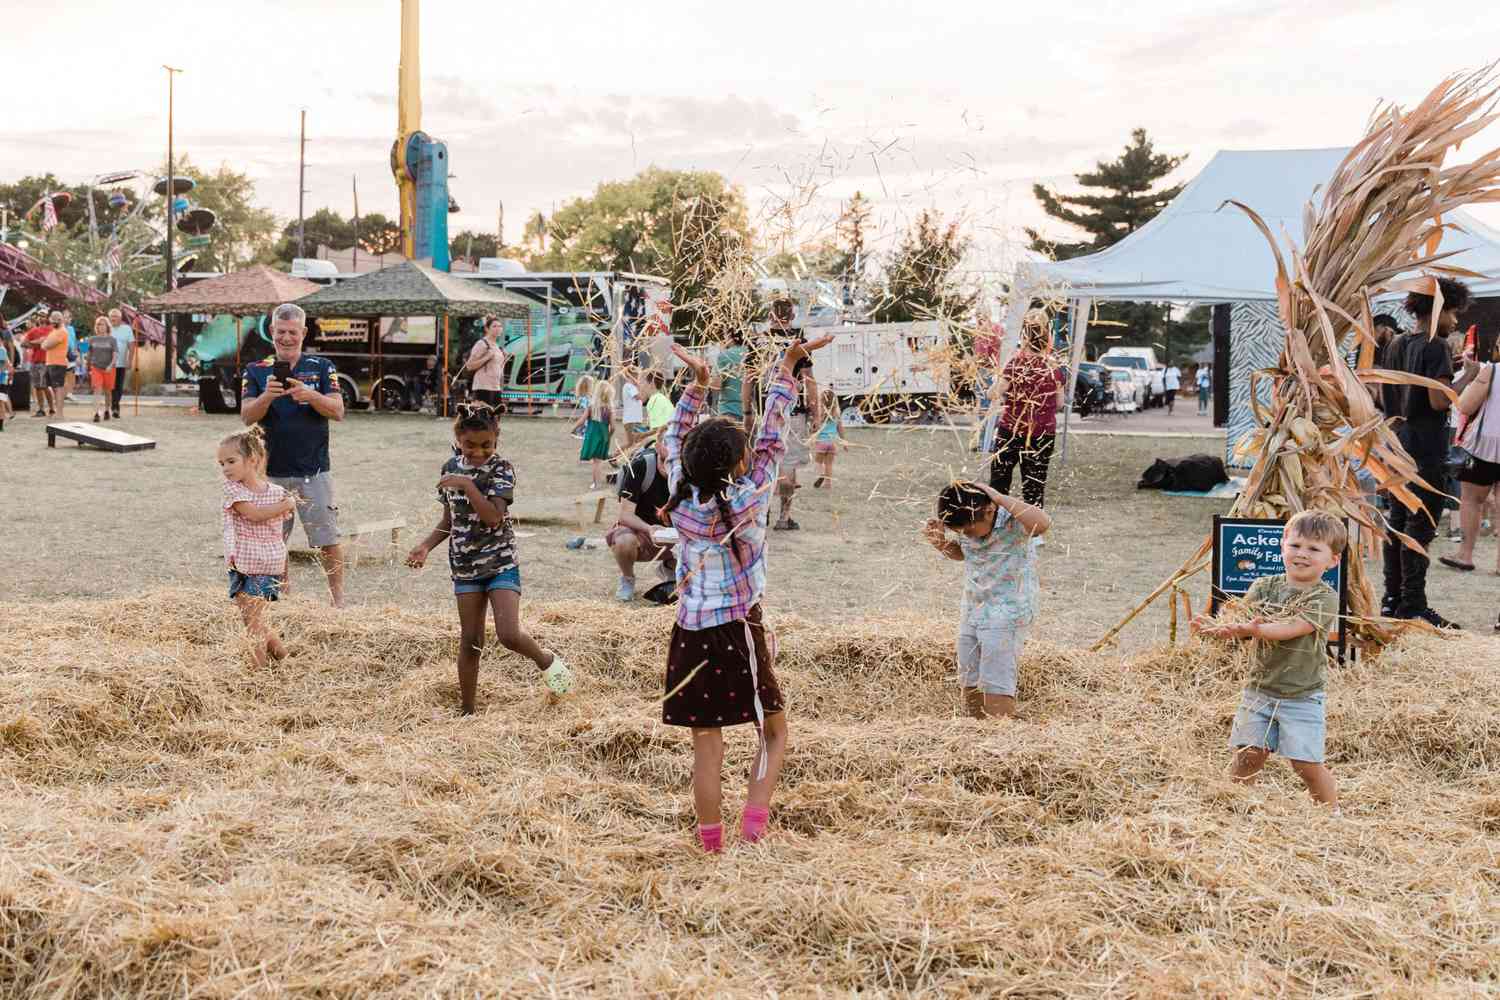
(663, 593)
(1195, 473)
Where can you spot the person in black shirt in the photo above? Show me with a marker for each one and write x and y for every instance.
(1424, 435)
(643, 491)
(1388, 342)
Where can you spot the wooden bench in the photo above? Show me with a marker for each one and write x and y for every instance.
(600, 498)
(359, 533)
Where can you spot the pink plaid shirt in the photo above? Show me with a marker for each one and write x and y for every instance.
(719, 577)
(253, 549)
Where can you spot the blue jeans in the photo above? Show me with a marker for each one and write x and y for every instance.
(509, 579)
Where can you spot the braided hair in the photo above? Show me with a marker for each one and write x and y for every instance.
(475, 417)
(711, 452)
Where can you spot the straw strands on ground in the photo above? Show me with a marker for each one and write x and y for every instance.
(176, 824)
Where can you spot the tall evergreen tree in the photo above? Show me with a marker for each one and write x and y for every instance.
(919, 278)
(1127, 204)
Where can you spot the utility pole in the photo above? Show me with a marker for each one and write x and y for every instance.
(169, 369)
(355, 266)
(301, 181)
(500, 230)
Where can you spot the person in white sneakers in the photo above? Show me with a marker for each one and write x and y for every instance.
(643, 492)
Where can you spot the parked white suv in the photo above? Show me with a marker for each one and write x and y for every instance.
(1151, 381)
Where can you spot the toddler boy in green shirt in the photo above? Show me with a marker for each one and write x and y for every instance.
(1282, 709)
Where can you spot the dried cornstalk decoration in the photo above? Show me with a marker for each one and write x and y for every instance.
(1378, 218)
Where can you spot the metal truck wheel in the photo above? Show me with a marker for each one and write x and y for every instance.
(349, 391)
(388, 395)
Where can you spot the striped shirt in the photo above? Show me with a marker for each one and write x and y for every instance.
(720, 578)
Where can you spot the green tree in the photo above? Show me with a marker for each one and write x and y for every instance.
(18, 198)
(325, 227)
(920, 282)
(472, 246)
(244, 233)
(377, 234)
(67, 250)
(1127, 201)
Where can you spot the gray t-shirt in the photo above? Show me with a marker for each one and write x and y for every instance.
(102, 350)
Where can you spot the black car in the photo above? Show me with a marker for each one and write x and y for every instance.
(1093, 391)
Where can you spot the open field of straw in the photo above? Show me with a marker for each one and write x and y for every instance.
(175, 824)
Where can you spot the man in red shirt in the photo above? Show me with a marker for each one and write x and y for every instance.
(37, 356)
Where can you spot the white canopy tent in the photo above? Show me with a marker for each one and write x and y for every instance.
(1196, 251)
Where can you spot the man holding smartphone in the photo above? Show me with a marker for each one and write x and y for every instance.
(293, 396)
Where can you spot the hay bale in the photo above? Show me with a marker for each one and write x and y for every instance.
(176, 822)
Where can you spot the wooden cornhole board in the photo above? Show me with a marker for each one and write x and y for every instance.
(96, 436)
(368, 529)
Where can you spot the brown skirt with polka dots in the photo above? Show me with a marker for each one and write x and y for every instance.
(721, 692)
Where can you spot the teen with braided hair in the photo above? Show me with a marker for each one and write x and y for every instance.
(719, 660)
(476, 490)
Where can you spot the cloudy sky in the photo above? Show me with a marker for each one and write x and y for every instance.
(960, 106)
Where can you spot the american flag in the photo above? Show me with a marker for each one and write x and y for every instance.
(49, 215)
(112, 257)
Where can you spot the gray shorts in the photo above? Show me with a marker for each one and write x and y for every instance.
(988, 657)
(315, 508)
(795, 433)
(1292, 727)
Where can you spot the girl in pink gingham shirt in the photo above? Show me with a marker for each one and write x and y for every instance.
(719, 670)
(254, 511)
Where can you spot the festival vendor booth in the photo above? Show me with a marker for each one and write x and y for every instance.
(230, 297)
(415, 288)
(1201, 250)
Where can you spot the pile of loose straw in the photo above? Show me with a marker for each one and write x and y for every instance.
(176, 824)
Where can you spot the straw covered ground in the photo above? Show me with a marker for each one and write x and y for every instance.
(175, 824)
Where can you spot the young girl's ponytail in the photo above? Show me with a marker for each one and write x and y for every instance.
(251, 443)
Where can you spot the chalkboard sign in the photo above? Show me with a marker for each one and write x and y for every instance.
(1248, 548)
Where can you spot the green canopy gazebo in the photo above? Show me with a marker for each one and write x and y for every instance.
(416, 288)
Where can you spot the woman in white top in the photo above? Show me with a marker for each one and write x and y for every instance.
(1480, 404)
(487, 363)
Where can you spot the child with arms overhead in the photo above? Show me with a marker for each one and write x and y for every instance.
(254, 546)
(476, 488)
(719, 670)
(1282, 709)
(996, 541)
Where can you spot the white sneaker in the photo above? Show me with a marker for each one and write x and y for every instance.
(626, 590)
(558, 678)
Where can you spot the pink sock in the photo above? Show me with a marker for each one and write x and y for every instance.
(711, 836)
(753, 823)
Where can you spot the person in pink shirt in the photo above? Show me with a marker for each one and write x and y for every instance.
(486, 363)
(1030, 383)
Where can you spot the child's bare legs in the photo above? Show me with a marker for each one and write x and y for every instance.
(761, 789)
(973, 703)
(708, 766)
(507, 605)
(1247, 763)
(471, 611)
(596, 469)
(1319, 781)
(262, 641)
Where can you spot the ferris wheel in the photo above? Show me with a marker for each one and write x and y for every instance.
(126, 239)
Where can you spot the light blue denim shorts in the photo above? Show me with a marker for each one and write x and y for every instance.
(1291, 727)
(989, 657)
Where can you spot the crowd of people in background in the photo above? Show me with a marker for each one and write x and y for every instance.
(47, 350)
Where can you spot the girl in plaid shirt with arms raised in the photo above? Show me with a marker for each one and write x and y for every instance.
(719, 661)
(254, 547)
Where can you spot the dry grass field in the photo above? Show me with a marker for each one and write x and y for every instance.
(174, 824)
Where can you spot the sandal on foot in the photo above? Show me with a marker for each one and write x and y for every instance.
(1462, 567)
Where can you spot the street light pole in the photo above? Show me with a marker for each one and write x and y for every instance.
(169, 367)
(301, 180)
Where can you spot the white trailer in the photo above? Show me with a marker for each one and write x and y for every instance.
(903, 360)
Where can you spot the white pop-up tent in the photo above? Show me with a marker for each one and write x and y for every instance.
(1200, 250)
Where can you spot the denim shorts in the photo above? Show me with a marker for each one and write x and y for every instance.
(988, 657)
(507, 580)
(1292, 727)
(254, 585)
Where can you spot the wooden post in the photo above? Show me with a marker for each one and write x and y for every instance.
(445, 364)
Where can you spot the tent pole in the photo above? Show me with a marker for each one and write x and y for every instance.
(237, 382)
(1078, 326)
(135, 372)
(445, 364)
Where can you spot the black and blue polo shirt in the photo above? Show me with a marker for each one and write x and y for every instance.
(296, 434)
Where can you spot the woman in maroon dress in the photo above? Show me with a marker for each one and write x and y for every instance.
(1028, 420)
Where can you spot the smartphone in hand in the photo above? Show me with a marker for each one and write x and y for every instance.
(281, 372)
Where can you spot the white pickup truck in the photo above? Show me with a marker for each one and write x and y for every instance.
(1145, 370)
